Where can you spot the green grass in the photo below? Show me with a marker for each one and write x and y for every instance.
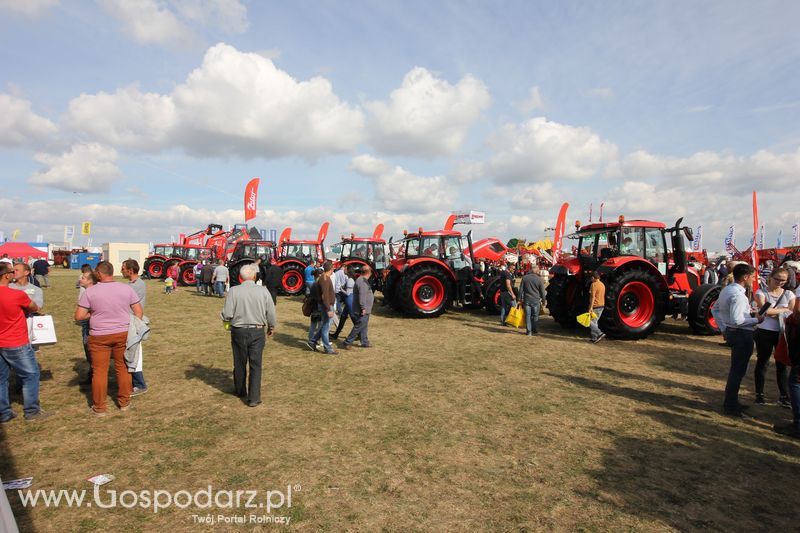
(447, 424)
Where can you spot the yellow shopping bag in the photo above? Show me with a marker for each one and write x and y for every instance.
(516, 317)
(585, 319)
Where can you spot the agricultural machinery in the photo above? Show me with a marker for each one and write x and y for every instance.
(425, 272)
(190, 248)
(293, 256)
(360, 251)
(643, 284)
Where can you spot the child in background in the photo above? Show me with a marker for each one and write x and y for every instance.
(168, 285)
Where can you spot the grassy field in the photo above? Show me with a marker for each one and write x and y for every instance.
(447, 424)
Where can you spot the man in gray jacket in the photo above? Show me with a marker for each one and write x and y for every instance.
(363, 299)
(531, 296)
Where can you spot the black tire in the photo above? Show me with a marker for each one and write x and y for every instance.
(700, 302)
(151, 266)
(289, 271)
(492, 290)
(390, 290)
(422, 299)
(233, 270)
(182, 281)
(563, 300)
(628, 314)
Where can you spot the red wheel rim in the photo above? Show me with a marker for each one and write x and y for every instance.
(155, 269)
(292, 281)
(428, 293)
(710, 320)
(496, 298)
(636, 304)
(188, 276)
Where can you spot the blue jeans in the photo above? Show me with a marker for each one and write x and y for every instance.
(594, 328)
(741, 342)
(505, 306)
(322, 332)
(794, 393)
(198, 283)
(346, 310)
(138, 380)
(23, 360)
(219, 288)
(532, 317)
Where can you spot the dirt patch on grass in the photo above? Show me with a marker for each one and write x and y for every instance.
(452, 423)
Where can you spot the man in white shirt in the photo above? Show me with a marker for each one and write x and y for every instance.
(733, 312)
(220, 278)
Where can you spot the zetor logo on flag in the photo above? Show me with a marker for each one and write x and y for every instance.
(251, 199)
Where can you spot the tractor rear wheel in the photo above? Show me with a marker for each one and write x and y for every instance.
(233, 271)
(700, 302)
(154, 268)
(562, 292)
(634, 304)
(292, 282)
(425, 291)
(186, 277)
(492, 294)
(390, 288)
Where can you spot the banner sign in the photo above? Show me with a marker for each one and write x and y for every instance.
(730, 240)
(795, 235)
(86, 228)
(761, 237)
(69, 233)
(697, 244)
(470, 217)
(558, 237)
(273, 235)
(251, 199)
(780, 239)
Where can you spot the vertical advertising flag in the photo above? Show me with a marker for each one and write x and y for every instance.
(697, 244)
(273, 235)
(795, 231)
(559, 233)
(761, 237)
(753, 249)
(69, 233)
(2, 237)
(601, 210)
(780, 239)
(86, 228)
(730, 240)
(590, 213)
(251, 199)
(15, 235)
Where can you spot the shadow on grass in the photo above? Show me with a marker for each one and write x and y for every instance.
(702, 474)
(218, 378)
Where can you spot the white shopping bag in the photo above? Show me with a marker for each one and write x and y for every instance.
(41, 330)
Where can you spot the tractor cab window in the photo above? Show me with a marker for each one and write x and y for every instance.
(307, 252)
(191, 253)
(655, 249)
(263, 251)
(347, 250)
(632, 242)
(163, 250)
(205, 254)
(430, 246)
(361, 251)
(607, 245)
(412, 247)
(379, 255)
(452, 248)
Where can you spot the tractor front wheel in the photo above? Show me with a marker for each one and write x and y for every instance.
(425, 291)
(700, 302)
(292, 282)
(492, 294)
(186, 277)
(154, 268)
(634, 304)
(562, 296)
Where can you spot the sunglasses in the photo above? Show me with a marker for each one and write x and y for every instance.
(780, 280)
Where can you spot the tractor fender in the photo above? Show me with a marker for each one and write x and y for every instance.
(357, 263)
(566, 267)
(156, 256)
(419, 261)
(627, 262)
(292, 261)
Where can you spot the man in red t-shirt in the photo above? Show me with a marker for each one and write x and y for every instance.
(15, 349)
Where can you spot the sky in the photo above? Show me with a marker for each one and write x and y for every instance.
(148, 117)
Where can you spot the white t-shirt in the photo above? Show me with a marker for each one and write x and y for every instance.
(784, 300)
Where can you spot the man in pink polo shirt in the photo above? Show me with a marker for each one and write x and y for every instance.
(108, 305)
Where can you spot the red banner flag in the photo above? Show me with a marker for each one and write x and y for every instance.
(754, 247)
(559, 234)
(251, 199)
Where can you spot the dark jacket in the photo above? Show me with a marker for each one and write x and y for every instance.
(363, 298)
(327, 295)
(207, 273)
(271, 278)
(531, 289)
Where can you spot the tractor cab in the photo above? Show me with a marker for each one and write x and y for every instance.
(443, 245)
(366, 250)
(309, 252)
(252, 250)
(603, 242)
(196, 253)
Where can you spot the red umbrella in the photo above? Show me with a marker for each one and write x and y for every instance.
(21, 249)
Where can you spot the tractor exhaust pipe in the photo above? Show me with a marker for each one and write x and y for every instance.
(679, 246)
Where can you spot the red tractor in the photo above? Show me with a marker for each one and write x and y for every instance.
(165, 255)
(291, 255)
(360, 251)
(424, 273)
(642, 284)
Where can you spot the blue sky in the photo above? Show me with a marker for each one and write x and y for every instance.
(149, 117)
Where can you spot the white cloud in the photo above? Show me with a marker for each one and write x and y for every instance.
(148, 21)
(19, 125)
(30, 8)
(539, 196)
(127, 118)
(601, 92)
(540, 150)
(87, 168)
(427, 116)
(468, 171)
(397, 190)
(229, 15)
(533, 102)
(235, 103)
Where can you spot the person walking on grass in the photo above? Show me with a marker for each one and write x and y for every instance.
(768, 333)
(108, 305)
(531, 296)
(86, 280)
(597, 302)
(737, 323)
(507, 296)
(220, 278)
(207, 276)
(16, 351)
(346, 300)
(363, 299)
(130, 271)
(324, 295)
(249, 310)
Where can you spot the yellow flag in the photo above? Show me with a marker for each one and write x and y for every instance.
(14, 235)
(86, 228)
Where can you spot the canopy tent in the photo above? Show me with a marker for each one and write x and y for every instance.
(21, 249)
